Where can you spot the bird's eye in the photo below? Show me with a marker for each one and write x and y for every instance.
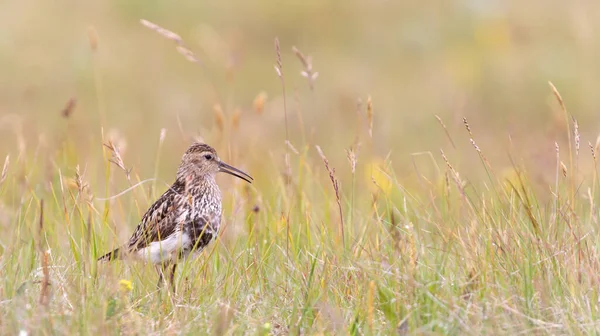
(208, 156)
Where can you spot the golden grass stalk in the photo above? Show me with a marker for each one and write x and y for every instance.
(279, 71)
(566, 113)
(336, 188)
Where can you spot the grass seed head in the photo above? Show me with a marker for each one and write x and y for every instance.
(558, 97)
(576, 136)
(67, 111)
(308, 71)
(187, 53)
(116, 158)
(279, 65)
(563, 169)
(259, 102)
(162, 31)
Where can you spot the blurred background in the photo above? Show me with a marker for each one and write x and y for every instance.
(487, 60)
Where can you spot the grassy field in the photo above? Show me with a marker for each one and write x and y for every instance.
(431, 169)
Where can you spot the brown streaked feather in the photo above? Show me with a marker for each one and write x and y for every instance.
(158, 221)
(199, 148)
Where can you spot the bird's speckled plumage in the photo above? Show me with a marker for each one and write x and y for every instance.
(187, 217)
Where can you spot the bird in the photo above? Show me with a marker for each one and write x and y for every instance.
(185, 218)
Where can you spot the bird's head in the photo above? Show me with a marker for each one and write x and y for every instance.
(201, 161)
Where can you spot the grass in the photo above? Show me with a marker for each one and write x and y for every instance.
(452, 257)
(343, 244)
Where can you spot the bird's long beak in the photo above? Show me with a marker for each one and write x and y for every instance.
(224, 167)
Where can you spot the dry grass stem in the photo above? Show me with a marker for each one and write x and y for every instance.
(82, 186)
(279, 70)
(370, 115)
(291, 147)
(558, 96)
(308, 71)
(370, 303)
(45, 289)
(576, 136)
(474, 144)
(336, 188)
(44, 256)
(466, 123)
(563, 169)
(279, 64)
(287, 173)
(445, 130)
(4, 169)
(455, 176)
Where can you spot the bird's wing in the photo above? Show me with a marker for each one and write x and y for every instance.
(158, 222)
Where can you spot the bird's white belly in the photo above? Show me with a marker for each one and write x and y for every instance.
(165, 250)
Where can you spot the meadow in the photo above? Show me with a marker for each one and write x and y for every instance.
(419, 169)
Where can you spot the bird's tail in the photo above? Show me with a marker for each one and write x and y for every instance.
(110, 256)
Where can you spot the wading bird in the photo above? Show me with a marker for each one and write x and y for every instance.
(185, 219)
